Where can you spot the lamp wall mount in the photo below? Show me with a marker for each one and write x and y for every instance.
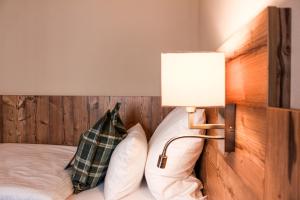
(228, 126)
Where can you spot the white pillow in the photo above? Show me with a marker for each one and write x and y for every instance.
(175, 181)
(127, 164)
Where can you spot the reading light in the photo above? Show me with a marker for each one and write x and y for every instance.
(196, 80)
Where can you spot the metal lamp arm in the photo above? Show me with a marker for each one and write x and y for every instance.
(162, 160)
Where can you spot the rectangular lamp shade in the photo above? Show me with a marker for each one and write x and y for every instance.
(193, 79)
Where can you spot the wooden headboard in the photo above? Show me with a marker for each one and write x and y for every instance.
(62, 119)
(266, 161)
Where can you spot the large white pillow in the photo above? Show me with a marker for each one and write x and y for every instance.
(127, 164)
(175, 181)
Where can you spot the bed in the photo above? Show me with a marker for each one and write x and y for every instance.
(36, 172)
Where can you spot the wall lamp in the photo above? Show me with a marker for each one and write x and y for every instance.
(196, 80)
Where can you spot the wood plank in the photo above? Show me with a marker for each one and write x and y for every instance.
(279, 44)
(132, 108)
(68, 119)
(42, 120)
(214, 186)
(251, 133)
(21, 128)
(156, 107)
(114, 100)
(30, 123)
(81, 117)
(10, 117)
(56, 125)
(248, 160)
(269, 32)
(283, 155)
(146, 116)
(247, 79)
(248, 39)
(94, 110)
(104, 104)
(225, 183)
(158, 112)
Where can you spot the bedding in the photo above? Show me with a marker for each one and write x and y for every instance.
(35, 172)
(126, 167)
(176, 180)
(142, 193)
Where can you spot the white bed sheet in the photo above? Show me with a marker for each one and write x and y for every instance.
(35, 172)
(97, 193)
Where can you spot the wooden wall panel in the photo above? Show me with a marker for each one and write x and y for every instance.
(247, 63)
(257, 70)
(247, 77)
(240, 173)
(21, 119)
(81, 117)
(42, 120)
(10, 119)
(279, 57)
(30, 116)
(283, 155)
(62, 119)
(56, 120)
(232, 186)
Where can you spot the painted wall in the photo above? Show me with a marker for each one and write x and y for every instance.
(219, 19)
(91, 47)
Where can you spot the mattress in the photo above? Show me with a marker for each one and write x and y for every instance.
(97, 193)
(35, 172)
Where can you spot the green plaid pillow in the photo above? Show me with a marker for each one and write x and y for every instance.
(95, 149)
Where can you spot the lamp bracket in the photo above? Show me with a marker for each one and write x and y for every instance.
(229, 126)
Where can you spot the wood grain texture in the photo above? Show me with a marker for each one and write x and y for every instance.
(254, 56)
(258, 59)
(42, 120)
(62, 119)
(10, 119)
(81, 117)
(243, 168)
(283, 155)
(279, 42)
(247, 63)
(21, 119)
(56, 122)
(222, 181)
(68, 119)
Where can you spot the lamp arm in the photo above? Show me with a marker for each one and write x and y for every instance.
(162, 160)
(201, 126)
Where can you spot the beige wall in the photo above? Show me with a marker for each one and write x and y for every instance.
(97, 47)
(220, 18)
(91, 47)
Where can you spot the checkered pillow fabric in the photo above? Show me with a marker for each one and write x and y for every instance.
(95, 149)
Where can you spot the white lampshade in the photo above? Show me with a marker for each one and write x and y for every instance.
(193, 79)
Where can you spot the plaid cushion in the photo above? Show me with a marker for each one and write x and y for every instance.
(95, 149)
